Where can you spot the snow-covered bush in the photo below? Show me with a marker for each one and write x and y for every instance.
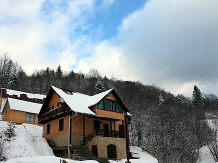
(9, 132)
(1, 147)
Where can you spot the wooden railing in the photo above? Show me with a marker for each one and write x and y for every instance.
(103, 133)
(52, 114)
(109, 133)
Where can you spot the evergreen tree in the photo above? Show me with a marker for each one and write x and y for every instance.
(59, 72)
(197, 98)
(58, 76)
(99, 86)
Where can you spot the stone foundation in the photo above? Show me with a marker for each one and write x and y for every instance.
(63, 141)
(120, 144)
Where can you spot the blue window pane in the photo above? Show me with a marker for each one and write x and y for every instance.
(101, 105)
(119, 109)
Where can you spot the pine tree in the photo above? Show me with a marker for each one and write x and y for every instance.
(99, 86)
(59, 72)
(197, 98)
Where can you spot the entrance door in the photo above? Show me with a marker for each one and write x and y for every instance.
(106, 130)
(111, 151)
(121, 131)
(95, 150)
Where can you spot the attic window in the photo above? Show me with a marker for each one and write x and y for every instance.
(101, 105)
(68, 92)
(110, 105)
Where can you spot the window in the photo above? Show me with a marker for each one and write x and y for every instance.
(30, 117)
(52, 107)
(68, 92)
(61, 124)
(101, 105)
(48, 129)
(119, 109)
(110, 105)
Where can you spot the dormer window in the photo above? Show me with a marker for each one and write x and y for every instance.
(101, 105)
(119, 109)
(109, 105)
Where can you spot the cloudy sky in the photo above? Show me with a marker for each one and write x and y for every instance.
(172, 44)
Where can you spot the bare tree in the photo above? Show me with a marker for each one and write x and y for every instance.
(94, 73)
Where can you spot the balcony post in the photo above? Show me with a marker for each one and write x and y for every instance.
(69, 136)
(127, 138)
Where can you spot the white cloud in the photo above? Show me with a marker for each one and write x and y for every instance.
(170, 43)
(106, 58)
(39, 35)
(173, 44)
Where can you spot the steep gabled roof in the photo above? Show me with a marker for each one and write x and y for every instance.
(78, 102)
(25, 106)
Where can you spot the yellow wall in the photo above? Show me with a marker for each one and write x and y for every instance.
(55, 99)
(109, 114)
(54, 128)
(17, 117)
(77, 122)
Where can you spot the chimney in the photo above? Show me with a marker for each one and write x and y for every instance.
(4, 93)
(24, 97)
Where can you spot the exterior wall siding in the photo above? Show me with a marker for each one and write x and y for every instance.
(55, 99)
(17, 117)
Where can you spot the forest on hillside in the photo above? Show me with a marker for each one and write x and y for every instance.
(172, 128)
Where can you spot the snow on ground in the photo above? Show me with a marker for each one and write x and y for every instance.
(28, 142)
(144, 157)
(205, 156)
(45, 159)
(28, 146)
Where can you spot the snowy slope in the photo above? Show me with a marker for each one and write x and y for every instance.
(144, 157)
(28, 146)
(205, 156)
(28, 142)
(45, 159)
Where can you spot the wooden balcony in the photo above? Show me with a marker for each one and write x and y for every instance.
(53, 114)
(104, 133)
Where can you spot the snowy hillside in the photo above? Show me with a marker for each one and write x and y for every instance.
(29, 146)
(27, 142)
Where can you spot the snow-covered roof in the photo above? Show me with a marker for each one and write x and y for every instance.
(80, 102)
(29, 95)
(25, 106)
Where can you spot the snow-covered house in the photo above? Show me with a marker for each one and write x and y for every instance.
(20, 111)
(20, 107)
(98, 122)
